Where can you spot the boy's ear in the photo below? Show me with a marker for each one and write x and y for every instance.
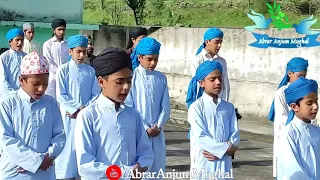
(140, 57)
(201, 84)
(294, 107)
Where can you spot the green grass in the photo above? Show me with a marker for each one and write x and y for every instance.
(201, 16)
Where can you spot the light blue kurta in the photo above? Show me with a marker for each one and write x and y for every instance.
(10, 71)
(76, 85)
(299, 156)
(105, 136)
(212, 126)
(150, 96)
(28, 131)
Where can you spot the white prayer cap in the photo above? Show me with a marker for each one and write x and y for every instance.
(34, 63)
(28, 26)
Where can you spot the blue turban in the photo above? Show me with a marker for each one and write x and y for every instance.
(77, 40)
(14, 33)
(208, 35)
(298, 89)
(146, 46)
(296, 64)
(203, 70)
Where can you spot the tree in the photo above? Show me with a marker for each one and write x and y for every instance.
(113, 13)
(137, 7)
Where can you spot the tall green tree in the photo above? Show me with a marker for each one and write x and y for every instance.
(137, 7)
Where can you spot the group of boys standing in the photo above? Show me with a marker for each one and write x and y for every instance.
(61, 118)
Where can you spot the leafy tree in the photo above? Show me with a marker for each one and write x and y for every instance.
(137, 7)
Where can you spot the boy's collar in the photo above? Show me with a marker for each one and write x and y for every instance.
(109, 104)
(298, 121)
(24, 95)
(209, 98)
(143, 70)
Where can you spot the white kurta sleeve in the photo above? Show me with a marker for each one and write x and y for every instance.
(281, 112)
(145, 154)
(17, 152)
(289, 163)
(58, 135)
(63, 98)
(202, 136)
(225, 82)
(5, 86)
(165, 106)
(234, 129)
(88, 165)
(195, 63)
(95, 91)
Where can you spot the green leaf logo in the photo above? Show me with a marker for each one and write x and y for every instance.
(279, 19)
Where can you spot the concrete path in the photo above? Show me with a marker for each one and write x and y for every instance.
(253, 160)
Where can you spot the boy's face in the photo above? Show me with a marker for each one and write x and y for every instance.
(59, 32)
(34, 85)
(116, 86)
(16, 43)
(214, 45)
(293, 76)
(149, 62)
(78, 54)
(29, 33)
(137, 40)
(308, 108)
(212, 83)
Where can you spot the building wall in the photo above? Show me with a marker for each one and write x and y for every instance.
(41, 10)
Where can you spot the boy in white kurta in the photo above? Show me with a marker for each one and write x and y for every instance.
(279, 110)
(108, 132)
(299, 156)
(31, 130)
(150, 96)
(214, 135)
(77, 87)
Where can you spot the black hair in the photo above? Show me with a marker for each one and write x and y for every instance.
(298, 101)
(135, 34)
(2, 50)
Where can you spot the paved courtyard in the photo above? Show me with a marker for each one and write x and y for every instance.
(253, 160)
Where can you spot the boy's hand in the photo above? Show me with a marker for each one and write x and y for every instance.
(46, 163)
(73, 115)
(232, 149)
(21, 170)
(154, 131)
(209, 156)
(82, 107)
(137, 168)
